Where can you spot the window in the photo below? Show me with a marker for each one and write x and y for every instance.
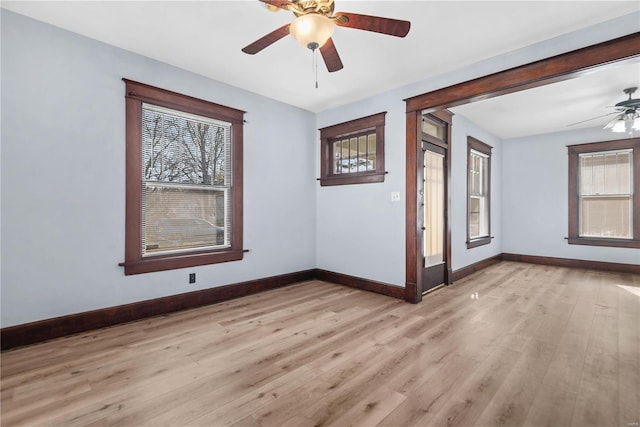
(353, 152)
(602, 179)
(184, 181)
(478, 193)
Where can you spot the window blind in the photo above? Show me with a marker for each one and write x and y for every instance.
(186, 178)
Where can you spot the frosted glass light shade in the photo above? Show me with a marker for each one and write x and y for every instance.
(312, 30)
(619, 126)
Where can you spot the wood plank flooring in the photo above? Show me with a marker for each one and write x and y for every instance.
(515, 344)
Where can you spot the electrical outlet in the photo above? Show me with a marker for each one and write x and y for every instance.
(395, 196)
(192, 277)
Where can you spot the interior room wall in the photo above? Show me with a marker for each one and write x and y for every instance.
(535, 197)
(347, 216)
(461, 256)
(63, 179)
(63, 183)
(360, 230)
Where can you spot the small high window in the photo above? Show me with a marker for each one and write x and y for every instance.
(184, 181)
(353, 152)
(603, 200)
(478, 193)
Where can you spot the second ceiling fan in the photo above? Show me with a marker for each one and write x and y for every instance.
(314, 25)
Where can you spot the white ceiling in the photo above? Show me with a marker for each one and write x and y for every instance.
(205, 37)
(556, 107)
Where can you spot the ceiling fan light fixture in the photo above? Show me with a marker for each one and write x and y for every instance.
(619, 126)
(312, 30)
(628, 121)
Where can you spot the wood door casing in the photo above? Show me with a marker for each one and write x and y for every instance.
(534, 74)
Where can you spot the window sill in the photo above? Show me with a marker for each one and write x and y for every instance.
(361, 178)
(614, 243)
(481, 241)
(171, 262)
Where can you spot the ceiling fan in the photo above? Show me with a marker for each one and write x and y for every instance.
(314, 24)
(629, 118)
(627, 114)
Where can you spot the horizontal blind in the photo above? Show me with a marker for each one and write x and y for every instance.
(186, 176)
(605, 194)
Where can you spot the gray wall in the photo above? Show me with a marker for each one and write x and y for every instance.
(460, 255)
(63, 180)
(361, 232)
(62, 177)
(535, 198)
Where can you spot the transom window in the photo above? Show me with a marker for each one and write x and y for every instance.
(353, 152)
(184, 181)
(603, 201)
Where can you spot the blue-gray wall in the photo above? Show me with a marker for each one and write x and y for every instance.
(63, 176)
(63, 181)
(536, 194)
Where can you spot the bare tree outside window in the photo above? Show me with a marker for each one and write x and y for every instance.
(185, 176)
(184, 181)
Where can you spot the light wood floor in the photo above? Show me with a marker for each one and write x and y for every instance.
(515, 344)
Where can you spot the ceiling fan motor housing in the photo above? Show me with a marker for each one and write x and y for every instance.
(323, 7)
(629, 103)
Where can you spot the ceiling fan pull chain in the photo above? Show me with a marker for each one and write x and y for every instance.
(315, 64)
(315, 61)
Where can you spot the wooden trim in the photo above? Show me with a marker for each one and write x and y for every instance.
(573, 192)
(167, 98)
(616, 144)
(44, 330)
(463, 272)
(364, 125)
(477, 145)
(134, 263)
(34, 332)
(353, 178)
(413, 283)
(353, 126)
(447, 116)
(573, 263)
(535, 74)
(415, 184)
(612, 243)
(171, 262)
(360, 283)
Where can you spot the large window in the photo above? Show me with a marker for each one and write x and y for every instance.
(353, 152)
(478, 193)
(184, 181)
(603, 203)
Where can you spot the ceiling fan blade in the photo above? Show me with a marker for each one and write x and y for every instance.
(331, 57)
(392, 27)
(612, 123)
(267, 40)
(593, 118)
(282, 4)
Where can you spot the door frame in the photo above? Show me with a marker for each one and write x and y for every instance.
(534, 74)
(446, 118)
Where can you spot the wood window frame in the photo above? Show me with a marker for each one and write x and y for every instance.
(362, 126)
(539, 73)
(574, 152)
(136, 94)
(481, 147)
